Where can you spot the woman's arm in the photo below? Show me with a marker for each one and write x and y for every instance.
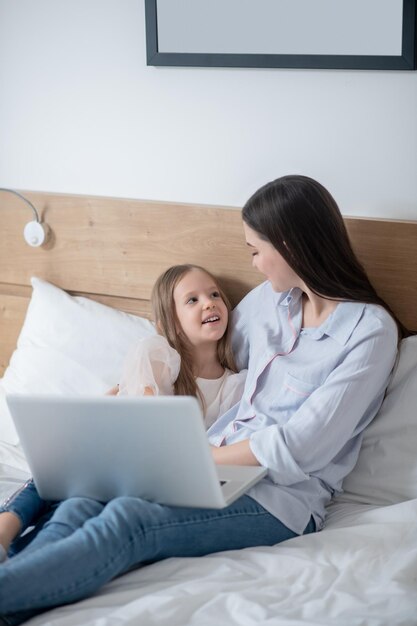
(332, 417)
(235, 454)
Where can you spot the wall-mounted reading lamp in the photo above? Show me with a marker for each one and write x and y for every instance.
(35, 233)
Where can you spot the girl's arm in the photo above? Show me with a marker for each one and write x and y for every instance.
(234, 454)
(151, 368)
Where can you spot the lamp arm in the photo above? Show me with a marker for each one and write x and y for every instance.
(35, 233)
(28, 202)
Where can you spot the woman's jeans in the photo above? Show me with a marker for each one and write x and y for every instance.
(86, 543)
(31, 510)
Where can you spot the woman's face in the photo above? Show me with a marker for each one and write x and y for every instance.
(270, 263)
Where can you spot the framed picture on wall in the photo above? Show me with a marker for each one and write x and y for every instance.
(321, 34)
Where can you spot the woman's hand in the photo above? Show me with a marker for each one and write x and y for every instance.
(113, 391)
(234, 454)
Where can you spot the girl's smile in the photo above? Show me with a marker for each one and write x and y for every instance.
(212, 319)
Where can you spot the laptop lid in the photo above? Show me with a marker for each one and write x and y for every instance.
(103, 447)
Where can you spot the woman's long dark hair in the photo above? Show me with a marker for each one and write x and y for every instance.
(301, 219)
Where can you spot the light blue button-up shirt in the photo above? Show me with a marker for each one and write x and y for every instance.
(309, 394)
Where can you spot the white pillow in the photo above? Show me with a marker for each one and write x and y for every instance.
(386, 472)
(67, 345)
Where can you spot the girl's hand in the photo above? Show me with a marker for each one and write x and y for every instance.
(113, 391)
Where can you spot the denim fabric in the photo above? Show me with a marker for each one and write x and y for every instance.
(26, 503)
(31, 510)
(85, 544)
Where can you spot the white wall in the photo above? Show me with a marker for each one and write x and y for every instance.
(80, 112)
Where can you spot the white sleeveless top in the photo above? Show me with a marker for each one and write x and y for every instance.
(221, 394)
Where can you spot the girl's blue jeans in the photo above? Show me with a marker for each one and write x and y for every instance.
(86, 543)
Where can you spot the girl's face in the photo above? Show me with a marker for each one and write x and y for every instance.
(269, 262)
(201, 312)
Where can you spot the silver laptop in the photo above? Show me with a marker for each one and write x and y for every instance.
(103, 447)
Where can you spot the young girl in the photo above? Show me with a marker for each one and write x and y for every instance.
(319, 345)
(191, 356)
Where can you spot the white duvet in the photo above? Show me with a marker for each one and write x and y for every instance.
(363, 573)
(361, 570)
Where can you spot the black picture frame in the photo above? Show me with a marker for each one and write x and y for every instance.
(406, 61)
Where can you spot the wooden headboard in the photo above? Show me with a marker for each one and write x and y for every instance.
(113, 249)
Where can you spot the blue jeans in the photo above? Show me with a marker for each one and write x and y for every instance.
(86, 543)
(31, 510)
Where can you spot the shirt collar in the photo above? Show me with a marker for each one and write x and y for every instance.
(343, 321)
(287, 297)
(339, 325)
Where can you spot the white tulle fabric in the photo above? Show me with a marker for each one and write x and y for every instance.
(152, 363)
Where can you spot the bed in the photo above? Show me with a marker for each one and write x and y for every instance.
(65, 307)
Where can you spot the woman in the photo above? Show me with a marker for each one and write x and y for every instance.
(319, 345)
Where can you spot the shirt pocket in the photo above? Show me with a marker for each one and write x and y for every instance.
(278, 395)
(297, 386)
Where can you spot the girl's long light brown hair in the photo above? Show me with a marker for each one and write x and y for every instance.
(167, 323)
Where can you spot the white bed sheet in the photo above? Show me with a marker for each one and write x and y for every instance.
(361, 570)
